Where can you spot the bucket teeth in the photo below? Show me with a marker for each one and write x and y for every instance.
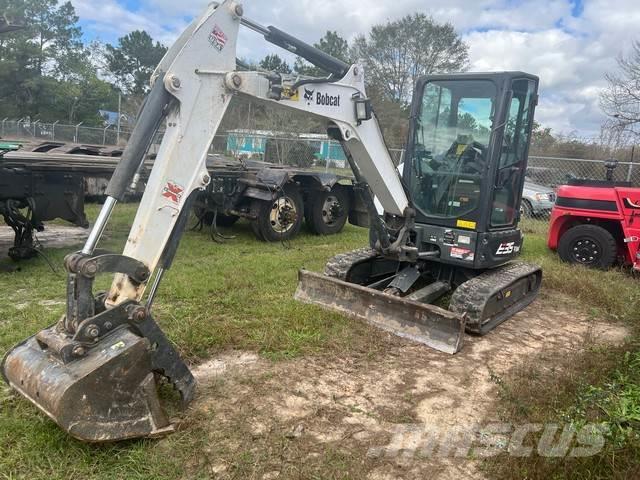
(420, 322)
(107, 395)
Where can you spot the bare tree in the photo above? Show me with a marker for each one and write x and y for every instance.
(397, 53)
(621, 100)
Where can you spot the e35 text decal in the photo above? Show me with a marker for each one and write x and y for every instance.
(506, 248)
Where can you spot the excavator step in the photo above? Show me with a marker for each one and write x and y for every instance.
(420, 322)
(495, 295)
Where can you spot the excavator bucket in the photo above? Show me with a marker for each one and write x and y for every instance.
(107, 395)
(424, 323)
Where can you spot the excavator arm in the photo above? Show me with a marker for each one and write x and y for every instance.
(192, 88)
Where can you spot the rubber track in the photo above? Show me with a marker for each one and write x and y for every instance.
(340, 265)
(472, 296)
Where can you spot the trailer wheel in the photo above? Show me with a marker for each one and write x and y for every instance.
(279, 219)
(588, 245)
(328, 211)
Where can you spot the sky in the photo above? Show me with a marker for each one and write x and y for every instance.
(569, 44)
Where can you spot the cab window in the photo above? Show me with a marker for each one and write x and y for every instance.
(452, 137)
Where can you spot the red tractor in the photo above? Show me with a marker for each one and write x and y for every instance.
(595, 222)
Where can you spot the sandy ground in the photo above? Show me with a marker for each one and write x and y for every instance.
(54, 236)
(358, 401)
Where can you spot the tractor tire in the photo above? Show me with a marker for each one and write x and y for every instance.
(279, 219)
(588, 245)
(327, 212)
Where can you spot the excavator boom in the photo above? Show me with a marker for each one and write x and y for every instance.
(94, 372)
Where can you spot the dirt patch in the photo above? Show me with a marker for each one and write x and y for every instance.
(341, 415)
(227, 364)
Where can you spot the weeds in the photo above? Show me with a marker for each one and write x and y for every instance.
(600, 385)
(239, 295)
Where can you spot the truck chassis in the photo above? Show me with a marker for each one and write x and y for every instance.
(275, 198)
(52, 180)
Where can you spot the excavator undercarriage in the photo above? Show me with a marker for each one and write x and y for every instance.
(399, 297)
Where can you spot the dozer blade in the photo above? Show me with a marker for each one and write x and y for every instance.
(107, 395)
(420, 322)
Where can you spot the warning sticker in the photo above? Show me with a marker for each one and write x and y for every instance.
(464, 239)
(466, 224)
(290, 94)
(462, 253)
(217, 38)
(173, 192)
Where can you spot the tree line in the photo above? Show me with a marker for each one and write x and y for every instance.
(48, 73)
(394, 55)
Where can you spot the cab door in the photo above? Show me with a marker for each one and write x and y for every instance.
(512, 163)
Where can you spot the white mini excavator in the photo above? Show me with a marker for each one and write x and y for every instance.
(449, 228)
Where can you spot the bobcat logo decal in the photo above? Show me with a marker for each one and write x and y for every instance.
(308, 94)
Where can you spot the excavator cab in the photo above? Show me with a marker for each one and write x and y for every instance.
(466, 161)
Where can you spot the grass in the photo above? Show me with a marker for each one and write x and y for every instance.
(238, 295)
(599, 385)
(611, 295)
(217, 297)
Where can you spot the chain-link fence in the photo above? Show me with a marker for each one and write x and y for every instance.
(553, 162)
(546, 173)
(305, 150)
(554, 171)
(59, 132)
(300, 150)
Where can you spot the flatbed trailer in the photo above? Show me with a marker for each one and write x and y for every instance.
(31, 195)
(95, 164)
(45, 181)
(50, 180)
